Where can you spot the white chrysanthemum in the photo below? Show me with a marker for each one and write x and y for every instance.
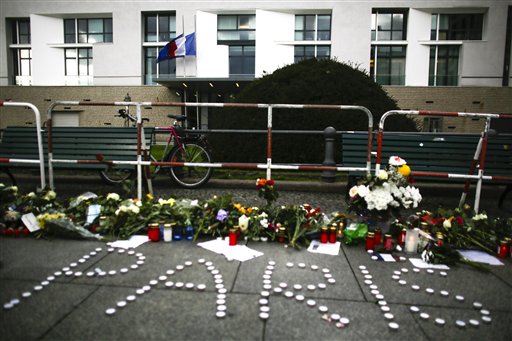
(379, 198)
(363, 190)
(113, 196)
(481, 216)
(134, 209)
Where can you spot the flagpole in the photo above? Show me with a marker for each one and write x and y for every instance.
(185, 56)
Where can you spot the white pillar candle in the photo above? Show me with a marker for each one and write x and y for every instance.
(411, 241)
(167, 234)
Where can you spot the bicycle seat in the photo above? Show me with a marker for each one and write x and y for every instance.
(179, 118)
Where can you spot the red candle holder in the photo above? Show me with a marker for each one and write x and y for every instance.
(233, 236)
(388, 242)
(503, 249)
(333, 234)
(377, 236)
(370, 241)
(401, 237)
(154, 232)
(324, 235)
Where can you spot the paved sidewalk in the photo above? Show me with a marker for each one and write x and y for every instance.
(73, 306)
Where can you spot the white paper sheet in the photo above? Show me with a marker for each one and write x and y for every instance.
(480, 257)
(419, 263)
(237, 252)
(332, 249)
(133, 242)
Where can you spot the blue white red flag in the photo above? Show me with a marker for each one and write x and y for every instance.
(180, 46)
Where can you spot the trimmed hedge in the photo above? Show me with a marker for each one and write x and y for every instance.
(308, 82)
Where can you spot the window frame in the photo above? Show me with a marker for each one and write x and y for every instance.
(300, 57)
(385, 11)
(250, 32)
(315, 31)
(171, 33)
(434, 58)
(148, 58)
(77, 37)
(447, 34)
(376, 56)
(247, 59)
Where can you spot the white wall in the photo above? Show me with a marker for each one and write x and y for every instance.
(120, 62)
(212, 59)
(273, 31)
(417, 58)
(47, 61)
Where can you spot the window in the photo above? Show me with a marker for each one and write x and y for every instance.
(21, 52)
(313, 27)
(239, 32)
(79, 62)
(159, 27)
(88, 31)
(457, 26)
(312, 51)
(152, 69)
(241, 60)
(387, 64)
(389, 25)
(236, 29)
(433, 124)
(444, 65)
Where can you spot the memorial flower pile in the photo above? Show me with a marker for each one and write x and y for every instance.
(385, 193)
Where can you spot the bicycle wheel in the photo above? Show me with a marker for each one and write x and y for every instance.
(114, 176)
(190, 176)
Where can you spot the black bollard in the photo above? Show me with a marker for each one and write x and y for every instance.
(329, 135)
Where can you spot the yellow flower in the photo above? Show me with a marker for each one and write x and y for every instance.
(404, 170)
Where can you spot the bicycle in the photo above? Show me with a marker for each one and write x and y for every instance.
(180, 147)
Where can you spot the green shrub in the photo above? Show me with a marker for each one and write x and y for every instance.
(308, 82)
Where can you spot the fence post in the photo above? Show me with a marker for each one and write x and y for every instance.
(330, 136)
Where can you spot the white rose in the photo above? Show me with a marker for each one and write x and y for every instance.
(383, 175)
(363, 190)
(353, 191)
(396, 161)
(447, 224)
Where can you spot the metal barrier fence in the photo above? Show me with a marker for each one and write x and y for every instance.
(39, 140)
(139, 163)
(479, 157)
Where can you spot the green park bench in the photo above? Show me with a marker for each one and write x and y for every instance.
(432, 153)
(71, 143)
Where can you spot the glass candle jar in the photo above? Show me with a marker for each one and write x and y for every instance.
(177, 232)
(333, 234)
(370, 241)
(154, 232)
(503, 249)
(401, 237)
(189, 232)
(440, 239)
(168, 232)
(388, 242)
(377, 236)
(411, 241)
(324, 235)
(233, 235)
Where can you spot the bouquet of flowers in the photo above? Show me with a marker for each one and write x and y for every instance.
(266, 190)
(384, 194)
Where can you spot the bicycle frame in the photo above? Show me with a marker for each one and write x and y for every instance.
(172, 137)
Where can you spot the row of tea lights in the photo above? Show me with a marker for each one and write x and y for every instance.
(295, 291)
(72, 272)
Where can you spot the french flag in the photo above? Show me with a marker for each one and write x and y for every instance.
(180, 46)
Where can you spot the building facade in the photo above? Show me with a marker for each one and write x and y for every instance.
(401, 44)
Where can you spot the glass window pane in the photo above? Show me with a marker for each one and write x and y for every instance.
(82, 25)
(309, 35)
(70, 53)
(384, 35)
(323, 52)
(374, 22)
(71, 67)
(384, 21)
(324, 35)
(310, 22)
(82, 38)
(107, 25)
(227, 22)
(324, 22)
(299, 35)
(95, 38)
(398, 21)
(83, 53)
(299, 22)
(83, 69)
(69, 26)
(443, 22)
(95, 25)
